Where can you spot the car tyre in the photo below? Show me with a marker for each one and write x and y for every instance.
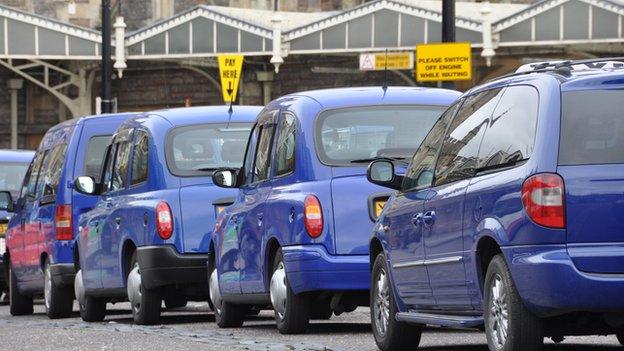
(620, 337)
(389, 333)
(19, 305)
(509, 326)
(145, 303)
(58, 300)
(292, 311)
(93, 309)
(227, 315)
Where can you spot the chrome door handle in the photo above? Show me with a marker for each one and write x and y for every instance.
(429, 218)
(260, 216)
(417, 219)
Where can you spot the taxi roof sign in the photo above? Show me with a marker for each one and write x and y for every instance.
(230, 70)
(443, 62)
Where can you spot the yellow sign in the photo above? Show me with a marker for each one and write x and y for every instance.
(443, 62)
(396, 61)
(230, 70)
(379, 206)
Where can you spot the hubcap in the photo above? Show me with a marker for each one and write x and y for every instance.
(278, 290)
(499, 313)
(215, 293)
(79, 289)
(134, 288)
(381, 306)
(47, 286)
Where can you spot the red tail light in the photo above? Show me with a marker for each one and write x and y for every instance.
(63, 220)
(313, 216)
(164, 220)
(544, 200)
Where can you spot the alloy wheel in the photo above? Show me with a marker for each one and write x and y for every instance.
(279, 290)
(381, 306)
(499, 312)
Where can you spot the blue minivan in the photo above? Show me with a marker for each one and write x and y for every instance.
(147, 238)
(510, 215)
(40, 236)
(296, 238)
(13, 166)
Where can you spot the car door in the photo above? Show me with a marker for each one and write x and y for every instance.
(93, 225)
(117, 194)
(33, 224)
(18, 233)
(251, 235)
(404, 235)
(442, 218)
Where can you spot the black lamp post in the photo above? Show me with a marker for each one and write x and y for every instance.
(107, 64)
(448, 29)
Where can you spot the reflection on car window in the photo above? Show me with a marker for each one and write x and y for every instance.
(30, 188)
(108, 169)
(361, 133)
(420, 172)
(285, 146)
(94, 156)
(197, 149)
(139, 158)
(458, 155)
(53, 169)
(262, 164)
(12, 176)
(120, 170)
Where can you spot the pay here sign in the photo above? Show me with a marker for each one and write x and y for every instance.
(443, 62)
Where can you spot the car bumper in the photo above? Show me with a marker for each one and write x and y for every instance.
(311, 268)
(164, 265)
(549, 283)
(63, 274)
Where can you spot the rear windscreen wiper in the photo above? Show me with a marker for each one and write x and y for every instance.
(508, 164)
(371, 159)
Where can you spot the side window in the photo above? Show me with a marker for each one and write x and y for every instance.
(458, 155)
(420, 172)
(31, 187)
(107, 174)
(120, 168)
(139, 157)
(53, 169)
(250, 154)
(262, 163)
(96, 149)
(511, 132)
(285, 146)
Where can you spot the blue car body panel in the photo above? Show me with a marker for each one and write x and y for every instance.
(127, 217)
(556, 271)
(32, 235)
(271, 212)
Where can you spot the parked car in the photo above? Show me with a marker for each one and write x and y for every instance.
(13, 165)
(40, 237)
(509, 216)
(147, 238)
(296, 237)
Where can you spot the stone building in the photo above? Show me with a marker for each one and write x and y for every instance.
(170, 46)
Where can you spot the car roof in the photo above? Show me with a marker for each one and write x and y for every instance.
(370, 96)
(16, 155)
(207, 114)
(75, 121)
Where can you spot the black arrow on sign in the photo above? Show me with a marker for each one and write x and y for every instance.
(229, 89)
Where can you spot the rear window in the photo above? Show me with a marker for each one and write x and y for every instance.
(592, 127)
(12, 176)
(198, 149)
(355, 135)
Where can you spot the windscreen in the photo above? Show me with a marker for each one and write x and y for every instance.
(592, 127)
(195, 150)
(11, 177)
(357, 135)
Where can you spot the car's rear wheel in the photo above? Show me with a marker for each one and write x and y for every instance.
(292, 311)
(389, 333)
(227, 315)
(91, 309)
(58, 300)
(509, 326)
(145, 303)
(19, 304)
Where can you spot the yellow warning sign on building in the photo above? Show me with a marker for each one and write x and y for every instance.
(443, 62)
(230, 70)
(396, 61)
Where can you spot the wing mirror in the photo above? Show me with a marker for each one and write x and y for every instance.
(226, 178)
(6, 201)
(381, 172)
(85, 185)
